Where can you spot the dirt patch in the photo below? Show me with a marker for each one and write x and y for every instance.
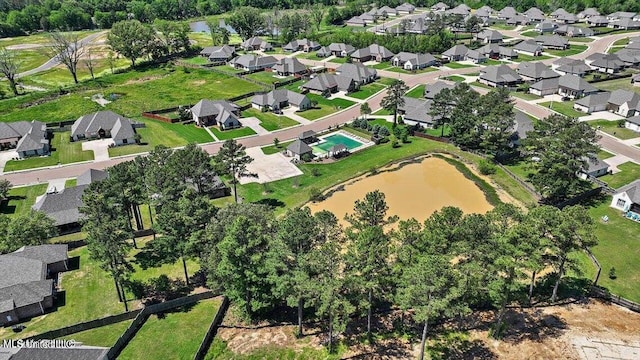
(143, 80)
(25, 46)
(198, 82)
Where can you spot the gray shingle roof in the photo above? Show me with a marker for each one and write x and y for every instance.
(416, 59)
(62, 206)
(606, 61)
(254, 61)
(522, 124)
(490, 35)
(278, 96)
(307, 134)
(206, 108)
(7, 131)
(105, 120)
(218, 52)
(357, 72)
(588, 12)
(372, 50)
(91, 175)
(18, 270)
(255, 41)
(342, 47)
(572, 66)
(431, 90)
(632, 190)
(321, 82)
(500, 74)
(417, 110)
(528, 46)
(507, 12)
(535, 70)
(457, 50)
(600, 98)
(299, 147)
(296, 45)
(32, 134)
(619, 97)
(634, 120)
(47, 253)
(88, 353)
(577, 83)
(551, 40)
(534, 13)
(289, 66)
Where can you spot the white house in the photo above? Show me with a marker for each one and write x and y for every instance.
(627, 198)
(633, 123)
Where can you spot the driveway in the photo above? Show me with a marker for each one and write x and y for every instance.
(601, 115)
(100, 148)
(6, 156)
(269, 167)
(254, 124)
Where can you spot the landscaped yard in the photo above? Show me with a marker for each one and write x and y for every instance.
(187, 327)
(30, 59)
(197, 60)
(611, 85)
(612, 128)
(525, 95)
(269, 120)
(573, 50)
(232, 133)
(629, 172)
(160, 133)
(382, 111)
(492, 62)
(604, 154)
(455, 78)
(564, 108)
(325, 107)
(581, 39)
(338, 60)
(525, 57)
(299, 351)
(272, 149)
(63, 152)
(21, 199)
(105, 336)
(503, 26)
(530, 33)
(455, 65)
(417, 92)
(366, 91)
(621, 42)
(618, 247)
(310, 56)
(381, 66)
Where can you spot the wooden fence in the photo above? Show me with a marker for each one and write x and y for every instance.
(213, 330)
(75, 328)
(431, 137)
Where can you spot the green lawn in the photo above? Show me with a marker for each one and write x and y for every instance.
(70, 183)
(573, 50)
(525, 57)
(338, 60)
(437, 131)
(455, 78)
(267, 77)
(21, 199)
(269, 120)
(581, 39)
(502, 27)
(564, 108)
(481, 85)
(325, 107)
(403, 71)
(618, 247)
(271, 149)
(39, 38)
(417, 92)
(105, 336)
(233, 133)
(491, 62)
(525, 95)
(612, 128)
(621, 42)
(366, 91)
(387, 81)
(186, 327)
(31, 58)
(521, 168)
(628, 173)
(219, 351)
(603, 154)
(160, 133)
(611, 85)
(197, 60)
(381, 66)
(310, 56)
(382, 111)
(63, 152)
(455, 65)
(530, 33)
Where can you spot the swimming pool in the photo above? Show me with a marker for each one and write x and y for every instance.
(328, 142)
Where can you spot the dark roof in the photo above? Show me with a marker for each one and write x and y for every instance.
(634, 120)
(456, 50)
(251, 60)
(522, 124)
(337, 148)
(207, 107)
(528, 46)
(105, 120)
(90, 176)
(535, 70)
(417, 110)
(600, 98)
(48, 253)
(431, 90)
(499, 74)
(357, 72)
(86, 353)
(62, 207)
(372, 50)
(632, 190)
(307, 134)
(289, 65)
(278, 96)
(299, 147)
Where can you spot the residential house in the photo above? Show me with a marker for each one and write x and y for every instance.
(593, 103)
(635, 80)
(629, 57)
(323, 52)
(626, 24)
(627, 198)
(104, 124)
(558, 12)
(495, 51)
(462, 10)
(219, 53)
(305, 45)
(417, 110)
(298, 149)
(507, 13)
(325, 84)
(28, 138)
(28, 281)
(251, 62)
(633, 123)
(372, 52)
(563, 17)
(439, 7)
(574, 31)
(405, 8)
(488, 36)
(620, 15)
(308, 136)
(588, 13)
(279, 99)
(499, 76)
(418, 26)
(605, 63)
(484, 13)
(522, 124)
(552, 42)
(597, 21)
(624, 103)
(534, 15)
(545, 27)
(528, 47)
(517, 20)
(566, 85)
(341, 49)
(387, 11)
(475, 57)
(219, 113)
(456, 53)
(256, 43)
(535, 71)
(356, 21)
(359, 73)
(411, 61)
(595, 168)
(431, 90)
(571, 66)
(289, 67)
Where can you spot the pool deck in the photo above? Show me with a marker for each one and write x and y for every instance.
(364, 143)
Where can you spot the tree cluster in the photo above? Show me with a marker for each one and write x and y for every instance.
(29, 229)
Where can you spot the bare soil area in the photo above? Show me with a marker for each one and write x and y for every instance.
(552, 332)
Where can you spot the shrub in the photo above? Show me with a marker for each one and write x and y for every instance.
(307, 157)
(315, 171)
(621, 123)
(384, 131)
(276, 142)
(400, 120)
(395, 143)
(612, 273)
(375, 128)
(315, 195)
(486, 167)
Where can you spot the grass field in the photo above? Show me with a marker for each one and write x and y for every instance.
(525, 57)
(63, 152)
(269, 120)
(455, 78)
(628, 173)
(325, 107)
(403, 71)
(455, 65)
(187, 328)
(267, 77)
(573, 50)
(382, 111)
(612, 128)
(31, 58)
(197, 60)
(618, 247)
(39, 38)
(103, 336)
(611, 85)
(530, 33)
(233, 133)
(603, 154)
(525, 95)
(219, 351)
(21, 199)
(581, 39)
(417, 92)
(338, 60)
(564, 108)
(366, 91)
(271, 149)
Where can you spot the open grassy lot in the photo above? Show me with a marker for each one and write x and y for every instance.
(63, 152)
(269, 120)
(31, 58)
(530, 33)
(310, 56)
(618, 247)
(324, 107)
(417, 92)
(272, 149)
(160, 133)
(21, 199)
(137, 91)
(267, 77)
(573, 50)
(39, 38)
(220, 351)
(103, 336)
(197, 60)
(455, 65)
(525, 57)
(629, 172)
(612, 128)
(610, 85)
(366, 91)
(233, 133)
(186, 326)
(564, 108)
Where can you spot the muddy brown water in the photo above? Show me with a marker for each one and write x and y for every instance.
(413, 189)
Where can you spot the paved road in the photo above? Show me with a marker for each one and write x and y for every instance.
(73, 170)
(54, 61)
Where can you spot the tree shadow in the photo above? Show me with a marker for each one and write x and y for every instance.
(273, 203)
(152, 256)
(452, 345)
(531, 325)
(7, 209)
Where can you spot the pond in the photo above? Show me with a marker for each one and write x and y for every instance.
(413, 189)
(201, 26)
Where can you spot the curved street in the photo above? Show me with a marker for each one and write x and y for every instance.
(73, 170)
